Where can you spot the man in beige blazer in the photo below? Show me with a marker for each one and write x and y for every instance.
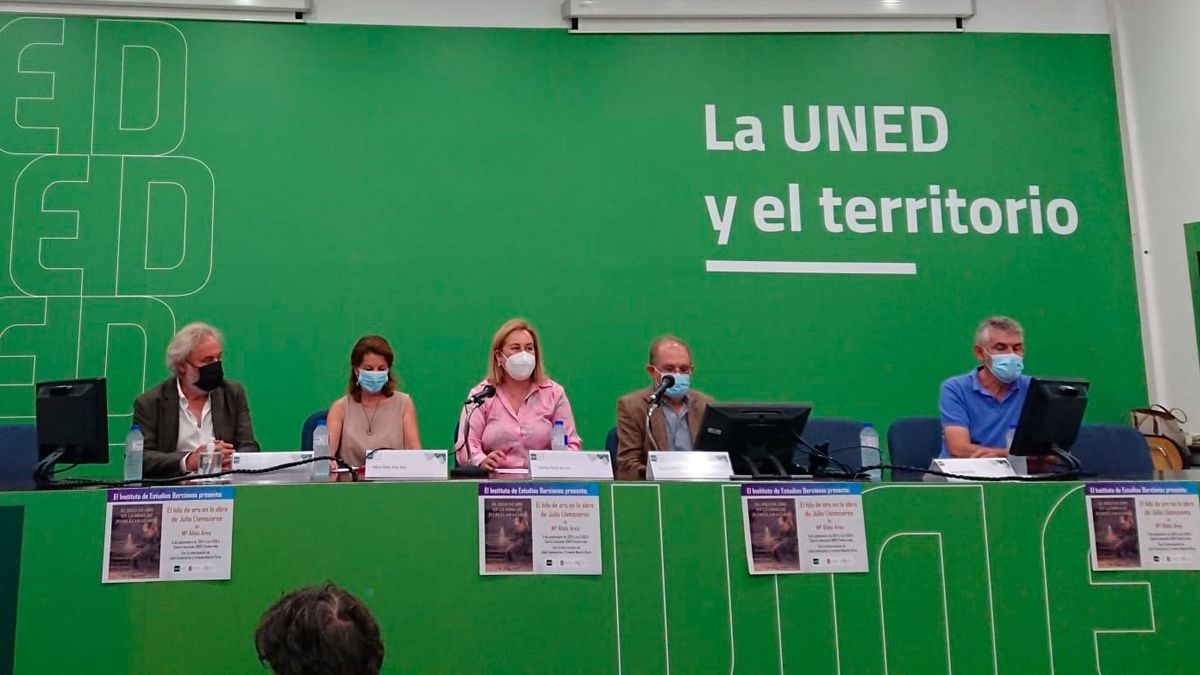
(675, 422)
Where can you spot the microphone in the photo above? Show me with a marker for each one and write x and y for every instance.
(478, 397)
(666, 383)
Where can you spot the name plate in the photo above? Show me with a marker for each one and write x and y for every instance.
(407, 465)
(266, 460)
(980, 467)
(688, 466)
(586, 465)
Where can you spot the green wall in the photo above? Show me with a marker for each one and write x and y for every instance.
(302, 185)
(964, 578)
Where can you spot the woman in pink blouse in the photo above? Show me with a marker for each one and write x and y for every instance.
(520, 417)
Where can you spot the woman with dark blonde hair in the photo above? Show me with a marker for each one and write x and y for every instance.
(372, 415)
(520, 417)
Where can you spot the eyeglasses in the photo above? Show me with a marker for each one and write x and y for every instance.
(674, 370)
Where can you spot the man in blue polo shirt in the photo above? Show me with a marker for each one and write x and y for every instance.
(978, 408)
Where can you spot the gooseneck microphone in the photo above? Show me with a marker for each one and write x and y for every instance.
(655, 401)
(666, 383)
(478, 397)
(475, 401)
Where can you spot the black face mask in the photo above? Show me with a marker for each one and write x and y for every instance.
(211, 376)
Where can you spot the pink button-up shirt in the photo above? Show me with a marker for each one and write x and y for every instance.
(496, 426)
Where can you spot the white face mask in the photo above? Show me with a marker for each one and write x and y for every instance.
(519, 366)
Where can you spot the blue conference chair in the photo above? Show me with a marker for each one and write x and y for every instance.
(18, 456)
(842, 436)
(610, 444)
(310, 425)
(1113, 451)
(915, 442)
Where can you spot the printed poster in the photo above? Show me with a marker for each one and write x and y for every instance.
(794, 528)
(168, 534)
(1144, 526)
(539, 528)
(774, 541)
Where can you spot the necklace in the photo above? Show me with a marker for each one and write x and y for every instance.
(369, 418)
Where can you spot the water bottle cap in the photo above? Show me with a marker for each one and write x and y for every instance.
(868, 425)
(558, 422)
(133, 428)
(1012, 426)
(320, 423)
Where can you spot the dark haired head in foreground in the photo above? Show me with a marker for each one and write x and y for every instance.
(319, 630)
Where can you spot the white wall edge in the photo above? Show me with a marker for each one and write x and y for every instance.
(991, 16)
(1147, 290)
(148, 12)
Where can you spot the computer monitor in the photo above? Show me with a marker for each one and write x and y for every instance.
(72, 424)
(1050, 418)
(760, 438)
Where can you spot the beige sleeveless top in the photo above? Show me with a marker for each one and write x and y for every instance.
(380, 428)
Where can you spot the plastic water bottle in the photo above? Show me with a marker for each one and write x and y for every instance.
(1008, 437)
(134, 444)
(210, 462)
(320, 445)
(558, 438)
(868, 439)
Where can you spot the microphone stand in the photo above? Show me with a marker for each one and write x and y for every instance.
(469, 471)
(650, 413)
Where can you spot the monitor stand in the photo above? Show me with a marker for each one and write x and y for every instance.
(1074, 468)
(43, 473)
(1023, 467)
(769, 468)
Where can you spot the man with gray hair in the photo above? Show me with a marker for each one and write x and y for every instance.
(180, 416)
(979, 408)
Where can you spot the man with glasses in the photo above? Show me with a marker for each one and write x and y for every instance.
(674, 424)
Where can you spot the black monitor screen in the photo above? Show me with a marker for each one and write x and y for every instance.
(754, 431)
(1051, 416)
(72, 416)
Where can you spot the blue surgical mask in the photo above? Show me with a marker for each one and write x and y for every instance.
(372, 380)
(1006, 367)
(683, 382)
